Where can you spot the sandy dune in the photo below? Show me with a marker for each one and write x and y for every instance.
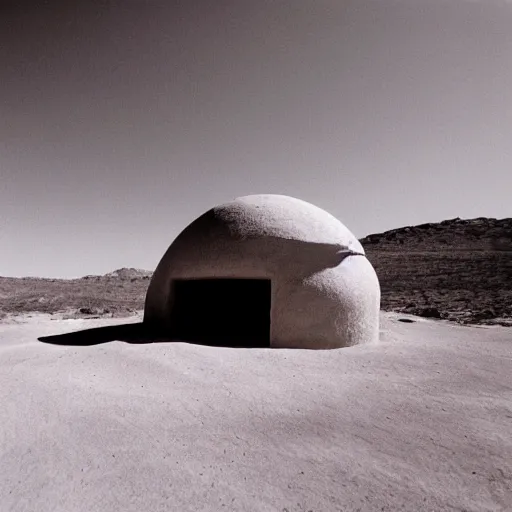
(420, 422)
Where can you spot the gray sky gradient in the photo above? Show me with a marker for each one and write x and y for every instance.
(120, 122)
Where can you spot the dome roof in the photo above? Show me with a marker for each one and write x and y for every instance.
(279, 216)
(325, 293)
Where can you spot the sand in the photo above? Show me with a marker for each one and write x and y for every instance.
(420, 422)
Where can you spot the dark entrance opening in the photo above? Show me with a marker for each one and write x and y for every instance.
(222, 312)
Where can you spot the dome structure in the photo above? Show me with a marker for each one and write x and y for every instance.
(266, 270)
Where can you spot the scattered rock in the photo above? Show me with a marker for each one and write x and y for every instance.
(486, 314)
(429, 312)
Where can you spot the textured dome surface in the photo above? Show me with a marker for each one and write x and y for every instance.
(278, 216)
(325, 293)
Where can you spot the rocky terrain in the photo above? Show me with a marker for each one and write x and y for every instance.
(460, 270)
(119, 293)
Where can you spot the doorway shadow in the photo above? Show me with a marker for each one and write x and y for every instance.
(133, 333)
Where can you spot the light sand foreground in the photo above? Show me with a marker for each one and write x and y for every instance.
(420, 422)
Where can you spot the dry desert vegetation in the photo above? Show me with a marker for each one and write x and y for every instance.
(421, 421)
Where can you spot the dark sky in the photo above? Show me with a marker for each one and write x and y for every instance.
(120, 122)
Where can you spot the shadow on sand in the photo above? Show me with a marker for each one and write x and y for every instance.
(135, 333)
(129, 333)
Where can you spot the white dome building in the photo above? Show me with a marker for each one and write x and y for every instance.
(266, 270)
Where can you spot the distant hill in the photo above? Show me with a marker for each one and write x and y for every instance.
(124, 274)
(459, 269)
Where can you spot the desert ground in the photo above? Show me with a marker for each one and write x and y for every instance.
(421, 421)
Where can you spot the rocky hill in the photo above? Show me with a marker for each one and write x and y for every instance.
(481, 234)
(458, 269)
(124, 274)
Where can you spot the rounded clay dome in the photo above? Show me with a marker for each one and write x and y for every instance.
(323, 292)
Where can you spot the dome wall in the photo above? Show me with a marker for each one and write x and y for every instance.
(325, 293)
